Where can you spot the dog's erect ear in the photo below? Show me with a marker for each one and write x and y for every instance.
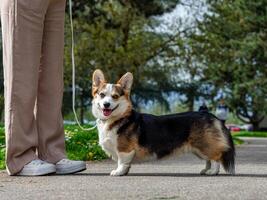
(126, 81)
(98, 78)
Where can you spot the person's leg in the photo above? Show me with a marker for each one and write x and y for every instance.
(50, 90)
(22, 31)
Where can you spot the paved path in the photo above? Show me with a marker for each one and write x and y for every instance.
(168, 179)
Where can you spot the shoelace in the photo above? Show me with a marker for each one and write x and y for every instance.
(65, 161)
(37, 162)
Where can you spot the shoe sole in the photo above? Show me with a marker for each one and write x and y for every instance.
(70, 170)
(36, 173)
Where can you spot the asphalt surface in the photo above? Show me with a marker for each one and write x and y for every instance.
(165, 179)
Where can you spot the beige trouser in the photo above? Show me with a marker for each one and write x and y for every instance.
(33, 42)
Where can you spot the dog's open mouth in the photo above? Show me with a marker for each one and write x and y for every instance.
(107, 112)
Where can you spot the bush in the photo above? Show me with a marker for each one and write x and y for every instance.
(2, 147)
(82, 145)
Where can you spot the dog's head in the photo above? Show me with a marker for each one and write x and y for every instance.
(111, 100)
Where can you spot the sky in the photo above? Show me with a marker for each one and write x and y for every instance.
(182, 16)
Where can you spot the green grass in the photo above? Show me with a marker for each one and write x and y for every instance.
(2, 147)
(82, 145)
(238, 135)
(250, 134)
(238, 141)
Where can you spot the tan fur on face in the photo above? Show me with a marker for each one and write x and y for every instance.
(118, 89)
(122, 117)
(117, 95)
(101, 87)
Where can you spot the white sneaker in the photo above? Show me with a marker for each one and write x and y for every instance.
(37, 168)
(66, 166)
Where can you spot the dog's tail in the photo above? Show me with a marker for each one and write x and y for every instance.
(228, 157)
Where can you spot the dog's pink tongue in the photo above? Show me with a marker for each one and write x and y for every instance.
(107, 112)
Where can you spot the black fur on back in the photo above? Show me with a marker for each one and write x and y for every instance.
(163, 134)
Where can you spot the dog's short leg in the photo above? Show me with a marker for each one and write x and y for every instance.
(214, 169)
(124, 163)
(208, 166)
(108, 147)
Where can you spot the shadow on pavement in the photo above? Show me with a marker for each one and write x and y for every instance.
(175, 175)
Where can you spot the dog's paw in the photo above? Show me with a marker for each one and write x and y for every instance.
(114, 157)
(211, 172)
(203, 171)
(117, 172)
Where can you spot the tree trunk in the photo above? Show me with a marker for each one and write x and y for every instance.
(255, 121)
(190, 103)
(256, 126)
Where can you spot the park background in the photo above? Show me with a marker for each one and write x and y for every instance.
(180, 52)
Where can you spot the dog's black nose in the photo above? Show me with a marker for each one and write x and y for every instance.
(106, 105)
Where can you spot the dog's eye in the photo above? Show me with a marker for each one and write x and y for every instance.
(102, 95)
(115, 96)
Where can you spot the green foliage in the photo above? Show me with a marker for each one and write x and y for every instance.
(226, 52)
(82, 145)
(123, 41)
(250, 134)
(91, 9)
(237, 141)
(2, 148)
(233, 119)
(232, 44)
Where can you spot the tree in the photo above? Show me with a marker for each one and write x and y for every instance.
(232, 43)
(92, 9)
(117, 40)
(189, 77)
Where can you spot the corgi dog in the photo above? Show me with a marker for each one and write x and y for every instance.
(126, 135)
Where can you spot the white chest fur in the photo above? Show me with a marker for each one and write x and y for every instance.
(107, 139)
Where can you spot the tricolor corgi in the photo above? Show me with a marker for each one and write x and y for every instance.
(125, 134)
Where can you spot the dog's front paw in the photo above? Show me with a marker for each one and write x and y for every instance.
(117, 172)
(203, 171)
(211, 172)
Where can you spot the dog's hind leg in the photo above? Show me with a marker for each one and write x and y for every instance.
(208, 166)
(214, 168)
(124, 163)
